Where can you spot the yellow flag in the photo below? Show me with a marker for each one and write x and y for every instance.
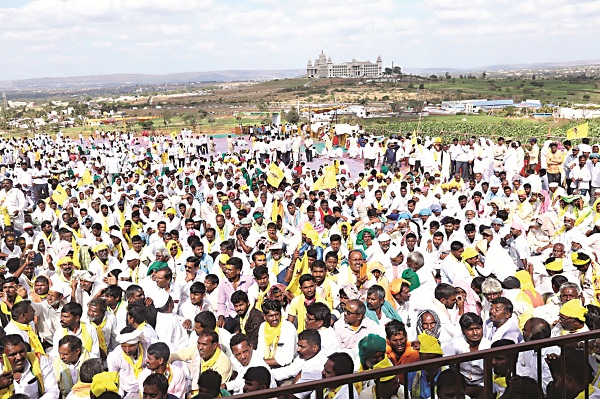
(165, 158)
(86, 179)
(59, 195)
(300, 268)
(578, 132)
(328, 179)
(274, 175)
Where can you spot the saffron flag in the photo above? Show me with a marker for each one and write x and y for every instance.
(328, 180)
(86, 179)
(578, 132)
(274, 175)
(59, 195)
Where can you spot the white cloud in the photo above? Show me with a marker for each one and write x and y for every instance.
(60, 37)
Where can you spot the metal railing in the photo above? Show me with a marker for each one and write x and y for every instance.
(486, 355)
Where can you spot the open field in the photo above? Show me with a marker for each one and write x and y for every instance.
(213, 109)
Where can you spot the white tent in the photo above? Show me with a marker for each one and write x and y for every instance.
(345, 128)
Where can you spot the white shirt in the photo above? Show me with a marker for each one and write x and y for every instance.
(286, 346)
(31, 390)
(59, 333)
(116, 362)
(170, 330)
(237, 385)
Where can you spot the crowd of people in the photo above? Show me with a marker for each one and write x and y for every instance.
(156, 267)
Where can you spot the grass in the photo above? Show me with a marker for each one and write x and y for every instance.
(547, 91)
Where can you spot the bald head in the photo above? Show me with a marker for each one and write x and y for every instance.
(536, 329)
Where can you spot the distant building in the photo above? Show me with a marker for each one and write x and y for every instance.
(325, 68)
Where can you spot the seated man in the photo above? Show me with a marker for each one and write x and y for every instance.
(156, 386)
(157, 362)
(212, 356)
(337, 364)
(249, 318)
(502, 324)
(244, 358)
(71, 355)
(256, 379)
(87, 371)
(422, 382)
(32, 374)
(307, 365)
(371, 351)
(400, 350)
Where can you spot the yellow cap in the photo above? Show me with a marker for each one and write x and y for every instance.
(107, 381)
(170, 211)
(429, 344)
(100, 247)
(223, 258)
(573, 309)
(469, 253)
(306, 228)
(396, 285)
(66, 259)
(555, 266)
(575, 257)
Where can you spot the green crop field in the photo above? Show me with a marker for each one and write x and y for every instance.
(547, 91)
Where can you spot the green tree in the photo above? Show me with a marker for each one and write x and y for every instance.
(397, 70)
(147, 125)
(190, 119)
(292, 116)
(387, 71)
(167, 118)
(262, 106)
(510, 111)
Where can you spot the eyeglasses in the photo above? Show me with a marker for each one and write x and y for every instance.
(349, 312)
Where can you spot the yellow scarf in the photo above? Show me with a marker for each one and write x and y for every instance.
(208, 364)
(261, 298)
(9, 390)
(275, 267)
(221, 232)
(243, 321)
(330, 394)
(101, 339)
(500, 381)
(582, 393)
(86, 339)
(169, 374)
(62, 373)
(139, 363)
(469, 268)
(272, 335)
(36, 370)
(4, 307)
(34, 340)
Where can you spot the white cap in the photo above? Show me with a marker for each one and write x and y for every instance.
(160, 298)
(384, 237)
(27, 226)
(131, 255)
(58, 288)
(276, 246)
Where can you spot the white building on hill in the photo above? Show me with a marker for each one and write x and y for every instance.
(325, 68)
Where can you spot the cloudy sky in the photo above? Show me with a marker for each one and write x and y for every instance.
(44, 38)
